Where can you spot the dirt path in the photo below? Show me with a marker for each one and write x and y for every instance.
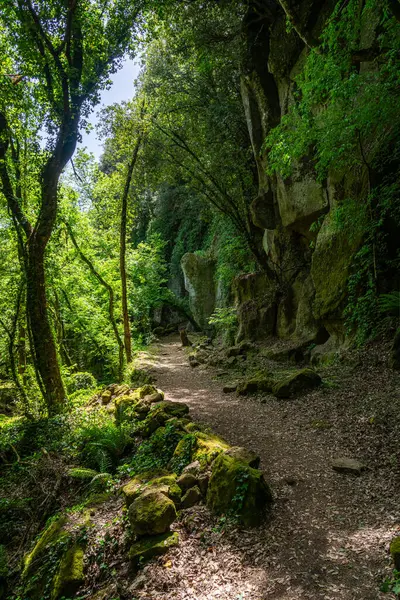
(328, 534)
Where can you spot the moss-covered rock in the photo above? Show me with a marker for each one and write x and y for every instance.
(151, 513)
(186, 481)
(173, 409)
(298, 382)
(166, 484)
(47, 539)
(54, 568)
(257, 383)
(331, 262)
(70, 575)
(237, 489)
(243, 454)
(191, 497)
(148, 547)
(137, 484)
(208, 447)
(395, 552)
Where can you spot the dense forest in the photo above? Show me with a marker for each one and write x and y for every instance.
(224, 276)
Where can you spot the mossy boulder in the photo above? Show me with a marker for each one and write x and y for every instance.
(56, 562)
(70, 575)
(296, 383)
(191, 497)
(124, 409)
(166, 484)
(237, 489)
(149, 547)
(243, 454)
(53, 534)
(395, 552)
(151, 513)
(173, 409)
(159, 414)
(257, 383)
(186, 481)
(208, 447)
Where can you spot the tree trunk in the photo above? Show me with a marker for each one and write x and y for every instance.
(110, 292)
(122, 252)
(44, 347)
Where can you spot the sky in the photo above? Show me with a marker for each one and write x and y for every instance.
(121, 89)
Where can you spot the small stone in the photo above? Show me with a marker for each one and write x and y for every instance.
(348, 465)
(231, 361)
(247, 456)
(230, 388)
(186, 481)
(192, 497)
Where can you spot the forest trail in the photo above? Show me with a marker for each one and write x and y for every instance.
(328, 534)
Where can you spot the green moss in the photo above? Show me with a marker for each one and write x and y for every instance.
(166, 484)
(151, 513)
(148, 547)
(50, 536)
(237, 489)
(257, 383)
(174, 409)
(208, 447)
(70, 574)
(297, 382)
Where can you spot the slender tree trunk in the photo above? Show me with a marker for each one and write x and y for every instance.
(111, 301)
(122, 251)
(45, 352)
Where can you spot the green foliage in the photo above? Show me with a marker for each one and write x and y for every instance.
(154, 453)
(184, 457)
(224, 319)
(392, 584)
(390, 303)
(335, 112)
(103, 447)
(80, 381)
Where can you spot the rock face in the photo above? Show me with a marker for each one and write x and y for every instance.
(298, 382)
(296, 214)
(254, 299)
(198, 272)
(238, 489)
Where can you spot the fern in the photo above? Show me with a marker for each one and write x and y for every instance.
(390, 303)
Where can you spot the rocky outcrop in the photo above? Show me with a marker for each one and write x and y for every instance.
(298, 382)
(199, 283)
(236, 488)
